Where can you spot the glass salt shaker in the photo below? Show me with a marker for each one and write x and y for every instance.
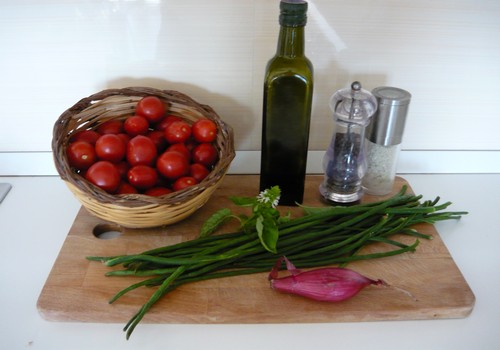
(383, 139)
(344, 161)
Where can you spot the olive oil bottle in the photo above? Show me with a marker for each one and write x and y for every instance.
(288, 90)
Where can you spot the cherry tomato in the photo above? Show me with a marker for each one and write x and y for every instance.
(169, 119)
(112, 126)
(124, 137)
(151, 108)
(122, 168)
(81, 155)
(190, 144)
(110, 147)
(158, 139)
(178, 131)
(136, 125)
(205, 153)
(142, 176)
(172, 165)
(141, 150)
(89, 136)
(181, 148)
(104, 175)
(204, 130)
(184, 182)
(158, 191)
(126, 188)
(198, 171)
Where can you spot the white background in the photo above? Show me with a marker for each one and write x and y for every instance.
(445, 53)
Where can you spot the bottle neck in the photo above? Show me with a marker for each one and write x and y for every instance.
(291, 41)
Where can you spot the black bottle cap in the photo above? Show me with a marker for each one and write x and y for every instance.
(293, 13)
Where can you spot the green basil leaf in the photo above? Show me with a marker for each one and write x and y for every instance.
(243, 201)
(270, 234)
(286, 218)
(259, 225)
(215, 221)
(267, 232)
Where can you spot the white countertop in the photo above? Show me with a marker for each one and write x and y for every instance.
(37, 214)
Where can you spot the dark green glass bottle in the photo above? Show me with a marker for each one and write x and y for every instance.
(288, 90)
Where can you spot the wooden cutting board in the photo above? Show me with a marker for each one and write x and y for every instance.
(77, 290)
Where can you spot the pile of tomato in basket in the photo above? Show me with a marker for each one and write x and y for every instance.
(151, 152)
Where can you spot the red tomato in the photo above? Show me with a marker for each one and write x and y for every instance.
(158, 191)
(136, 125)
(89, 136)
(184, 182)
(190, 144)
(172, 165)
(112, 126)
(110, 147)
(181, 148)
(198, 171)
(158, 139)
(104, 175)
(81, 155)
(141, 150)
(178, 131)
(204, 130)
(169, 119)
(151, 108)
(122, 168)
(124, 137)
(142, 176)
(126, 188)
(205, 153)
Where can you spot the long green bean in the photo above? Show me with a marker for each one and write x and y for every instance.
(323, 236)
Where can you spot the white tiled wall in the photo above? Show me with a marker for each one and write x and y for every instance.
(446, 53)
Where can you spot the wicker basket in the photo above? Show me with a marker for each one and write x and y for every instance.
(137, 210)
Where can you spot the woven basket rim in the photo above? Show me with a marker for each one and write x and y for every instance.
(117, 104)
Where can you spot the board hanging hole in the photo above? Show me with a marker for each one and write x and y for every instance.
(107, 231)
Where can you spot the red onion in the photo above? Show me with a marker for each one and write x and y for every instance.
(323, 284)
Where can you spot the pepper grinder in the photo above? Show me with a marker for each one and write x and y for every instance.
(344, 161)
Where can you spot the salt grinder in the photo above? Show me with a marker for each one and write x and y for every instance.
(383, 139)
(344, 161)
